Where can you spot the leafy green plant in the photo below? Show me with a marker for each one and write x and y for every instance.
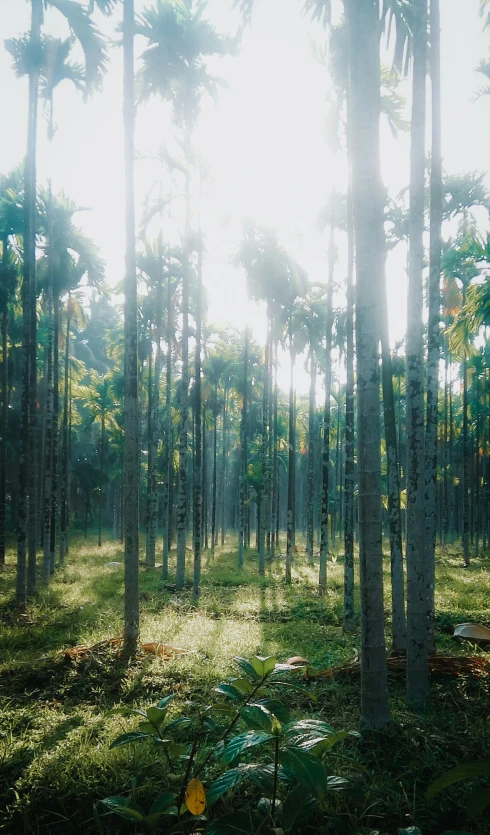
(248, 737)
(479, 799)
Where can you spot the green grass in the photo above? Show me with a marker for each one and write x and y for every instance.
(55, 729)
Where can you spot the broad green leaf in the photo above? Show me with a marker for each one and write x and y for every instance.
(243, 685)
(328, 742)
(174, 749)
(243, 742)
(162, 802)
(277, 708)
(146, 728)
(306, 768)
(126, 711)
(336, 783)
(257, 717)
(124, 807)
(238, 823)
(297, 808)
(181, 722)
(478, 801)
(126, 739)
(462, 772)
(247, 668)
(228, 780)
(316, 726)
(156, 715)
(268, 663)
(410, 830)
(164, 702)
(230, 692)
(258, 665)
(222, 710)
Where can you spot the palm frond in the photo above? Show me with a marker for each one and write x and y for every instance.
(92, 42)
(319, 10)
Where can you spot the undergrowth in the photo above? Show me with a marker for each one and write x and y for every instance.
(56, 726)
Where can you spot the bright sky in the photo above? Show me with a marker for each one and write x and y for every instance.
(264, 143)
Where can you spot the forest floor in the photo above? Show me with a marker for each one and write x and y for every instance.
(55, 727)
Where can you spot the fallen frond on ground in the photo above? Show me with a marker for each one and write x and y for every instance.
(446, 665)
(81, 653)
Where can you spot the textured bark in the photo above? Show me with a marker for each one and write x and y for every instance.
(153, 425)
(64, 449)
(4, 418)
(275, 487)
(56, 413)
(466, 464)
(26, 535)
(322, 576)
(215, 474)
(197, 484)
(48, 443)
(417, 677)
(367, 193)
(262, 498)
(243, 457)
(311, 434)
(348, 621)
(291, 461)
(131, 410)
(183, 407)
(167, 458)
(434, 304)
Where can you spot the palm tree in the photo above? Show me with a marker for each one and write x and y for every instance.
(11, 211)
(131, 406)
(99, 399)
(434, 299)
(367, 196)
(173, 67)
(417, 676)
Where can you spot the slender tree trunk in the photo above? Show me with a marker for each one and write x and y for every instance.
(433, 337)
(311, 432)
(4, 418)
(275, 508)
(417, 633)
(466, 463)
(48, 449)
(367, 193)
(167, 459)
(197, 515)
(205, 481)
(476, 494)
(262, 499)
(101, 476)
(243, 456)
(322, 577)
(152, 495)
(64, 449)
(131, 410)
(215, 456)
(291, 460)
(184, 397)
(26, 535)
(348, 623)
(223, 468)
(445, 485)
(56, 412)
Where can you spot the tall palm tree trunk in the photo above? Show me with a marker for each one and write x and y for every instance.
(223, 467)
(215, 474)
(433, 336)
(64, 448)
(262, 499)
(197, 485)
(184, 395)
(243, 457)
(275, 486)
(48, 448)
(26, 534)
(348, 622)
(101, 475)
(311, 432)
(167, 458)
(322, 575)
(417, 677)
(151, 494)
(364, 61)
(131, 410)
(4, 416)
(56, 412)
(466, 463)
(291, 461)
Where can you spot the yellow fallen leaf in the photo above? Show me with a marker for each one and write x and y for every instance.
(195, 797)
